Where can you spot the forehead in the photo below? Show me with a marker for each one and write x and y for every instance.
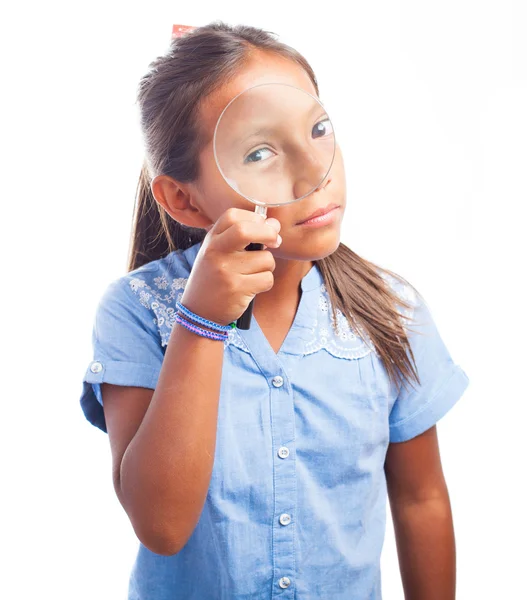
(261, 68)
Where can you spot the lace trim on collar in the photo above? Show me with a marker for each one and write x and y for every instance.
(342, 339)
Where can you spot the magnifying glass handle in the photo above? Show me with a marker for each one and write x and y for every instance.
(244, 322)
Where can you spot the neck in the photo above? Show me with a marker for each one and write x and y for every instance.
(286, 290)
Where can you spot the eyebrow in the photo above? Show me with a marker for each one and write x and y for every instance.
(268, 130)
(258, 132)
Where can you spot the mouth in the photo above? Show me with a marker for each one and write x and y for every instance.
(319, 213)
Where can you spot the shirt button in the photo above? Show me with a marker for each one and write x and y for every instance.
(284, 582)
(278, 381)
(285, 519)
(283, 452)
(96, 367)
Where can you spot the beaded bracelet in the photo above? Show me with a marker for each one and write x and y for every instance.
(210, 324)
(203, 332)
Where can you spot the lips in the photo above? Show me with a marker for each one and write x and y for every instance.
(319, 212)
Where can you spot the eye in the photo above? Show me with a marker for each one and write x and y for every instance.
(322, 128)
(256, 156)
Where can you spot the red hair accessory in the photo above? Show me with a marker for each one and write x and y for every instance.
(180, 30)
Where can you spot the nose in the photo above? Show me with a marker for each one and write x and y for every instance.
(311, 174)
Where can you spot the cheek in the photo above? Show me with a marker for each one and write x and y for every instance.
(217, 196)
(337, 168)
(338, 183)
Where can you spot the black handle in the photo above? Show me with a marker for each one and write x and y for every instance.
(244, 322)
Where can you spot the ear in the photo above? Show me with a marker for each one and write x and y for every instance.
(178, 199)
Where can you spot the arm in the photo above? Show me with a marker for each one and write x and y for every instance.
(163, 441)
(422, 518)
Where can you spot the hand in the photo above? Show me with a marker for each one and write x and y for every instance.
(226, 277)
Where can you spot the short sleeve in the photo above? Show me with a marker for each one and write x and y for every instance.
(442, 381)
(127, 349)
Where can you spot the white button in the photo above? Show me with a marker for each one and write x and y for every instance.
(285, 519)
(284, 582)
(278, 381)
(96, 367)
(283, 452)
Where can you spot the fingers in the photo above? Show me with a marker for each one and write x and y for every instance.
(255, 262)
(237, 230)
(233, 215)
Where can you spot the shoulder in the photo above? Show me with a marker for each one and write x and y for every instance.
(158, 279)
(158, 286)
(149, 293)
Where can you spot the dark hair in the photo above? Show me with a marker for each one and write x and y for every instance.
(169, 97)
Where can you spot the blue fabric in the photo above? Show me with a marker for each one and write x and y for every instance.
(309, 448)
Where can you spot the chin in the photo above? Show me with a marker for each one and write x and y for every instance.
(327, 250)
(315, 249)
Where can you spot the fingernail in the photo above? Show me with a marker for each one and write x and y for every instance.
(279, 239)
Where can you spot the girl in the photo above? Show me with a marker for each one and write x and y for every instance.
(256, 463)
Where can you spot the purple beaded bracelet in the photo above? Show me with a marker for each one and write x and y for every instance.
(210, 324)
(198, 330)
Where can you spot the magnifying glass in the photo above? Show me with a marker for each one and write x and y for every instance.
(274, 144)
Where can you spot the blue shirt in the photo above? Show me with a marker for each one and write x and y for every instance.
(296, 507)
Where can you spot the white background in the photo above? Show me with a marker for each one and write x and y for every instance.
(429, 104)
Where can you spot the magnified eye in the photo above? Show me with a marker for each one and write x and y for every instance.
(256, 156)
(322, 128)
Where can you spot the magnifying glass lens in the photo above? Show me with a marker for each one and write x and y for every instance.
(274, 144)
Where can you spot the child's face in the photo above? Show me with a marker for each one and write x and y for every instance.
(215, 196)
